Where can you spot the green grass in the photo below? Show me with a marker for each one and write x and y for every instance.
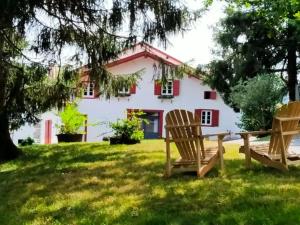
(99, 184)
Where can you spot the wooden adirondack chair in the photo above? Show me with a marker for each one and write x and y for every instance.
(185, 130)
(275, 154)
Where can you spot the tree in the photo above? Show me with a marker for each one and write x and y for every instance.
(256, 37)
(257, 98)
(99, 29)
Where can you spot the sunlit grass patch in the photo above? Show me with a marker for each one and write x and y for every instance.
(124, 184)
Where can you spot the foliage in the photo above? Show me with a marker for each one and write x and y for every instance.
(255, 37)
(257, 98)
(100, 184)
(72, 120)
(34, 34)
(27, 141)
(129, 128)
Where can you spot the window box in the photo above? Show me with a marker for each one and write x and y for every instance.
(123, 94)
(166, 96)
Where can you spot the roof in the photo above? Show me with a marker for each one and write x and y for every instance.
(143, 49)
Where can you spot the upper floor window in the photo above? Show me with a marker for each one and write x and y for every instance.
(210, 95)
(167, 88)
(88, 90)
(206, 117)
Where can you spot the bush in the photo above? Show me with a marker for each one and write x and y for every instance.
(71, 120)
(128, 131)
(257, 98)
(27, 141)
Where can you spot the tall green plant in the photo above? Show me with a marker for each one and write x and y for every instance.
(129, 128)
(257, 98)
(71, 120)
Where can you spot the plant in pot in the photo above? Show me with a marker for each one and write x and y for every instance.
(128, 131)
(71, 127)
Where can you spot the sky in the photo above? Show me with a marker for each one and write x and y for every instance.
(195, 47)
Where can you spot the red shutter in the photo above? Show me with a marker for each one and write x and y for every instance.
(215, 118)
(133, 89)
(157, 88)
(176, 86)
(96, 91)
(198, 114)
(213, 95)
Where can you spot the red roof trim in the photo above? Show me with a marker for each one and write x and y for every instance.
(126, 59)
(156, 49)
(135, 56)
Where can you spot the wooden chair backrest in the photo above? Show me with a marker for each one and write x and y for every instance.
(289, 110)
(185, 130)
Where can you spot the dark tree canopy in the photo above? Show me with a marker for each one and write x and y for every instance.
(95, 29)
(256, 37)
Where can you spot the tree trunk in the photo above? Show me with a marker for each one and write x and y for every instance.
(8, 150)
(292, 63)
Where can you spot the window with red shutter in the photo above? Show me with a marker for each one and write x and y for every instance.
(208, 117)
(210, 95)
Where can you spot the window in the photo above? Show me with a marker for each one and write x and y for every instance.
(210, 95)
(206, 117)
(167, 89)
(124, 91)
(88, 90)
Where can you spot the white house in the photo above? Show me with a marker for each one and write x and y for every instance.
(147, 95)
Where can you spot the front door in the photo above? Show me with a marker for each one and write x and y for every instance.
(151, 126)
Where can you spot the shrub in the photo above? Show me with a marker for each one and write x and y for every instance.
(27, 141)
(71, 120)
(257, 98)
(128, 130)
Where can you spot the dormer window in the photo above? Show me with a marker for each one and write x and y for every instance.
(88, 90)
(167, 89)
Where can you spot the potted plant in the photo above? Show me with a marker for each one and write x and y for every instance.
(71, 127)
(128, 131)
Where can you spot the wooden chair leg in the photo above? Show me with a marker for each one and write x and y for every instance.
(220, 149)
(247, 151)
(168, 156)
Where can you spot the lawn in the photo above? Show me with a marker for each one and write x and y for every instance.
(100, 184)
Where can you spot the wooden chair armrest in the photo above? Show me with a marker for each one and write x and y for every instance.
(287, 118)
(220, 135)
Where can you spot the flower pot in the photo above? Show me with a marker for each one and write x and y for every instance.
(119, 140)
(69, 137)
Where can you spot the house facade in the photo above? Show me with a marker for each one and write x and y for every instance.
(147, 95)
